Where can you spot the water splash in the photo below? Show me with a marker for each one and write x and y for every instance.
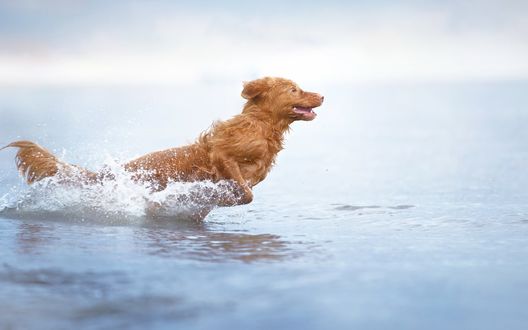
(4, 202)
(118, 196)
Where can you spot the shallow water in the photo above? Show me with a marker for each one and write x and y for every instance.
(398, 207)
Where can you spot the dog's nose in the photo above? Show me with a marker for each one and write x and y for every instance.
(322, 98)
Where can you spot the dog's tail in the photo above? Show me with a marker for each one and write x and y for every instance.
(36, 163)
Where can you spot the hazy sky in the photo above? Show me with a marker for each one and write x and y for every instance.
(64, 42)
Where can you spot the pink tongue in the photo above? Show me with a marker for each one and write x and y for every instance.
(302, 110)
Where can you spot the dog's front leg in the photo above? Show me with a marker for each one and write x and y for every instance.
(229, 170)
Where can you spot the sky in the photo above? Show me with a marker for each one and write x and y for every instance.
(45, 42)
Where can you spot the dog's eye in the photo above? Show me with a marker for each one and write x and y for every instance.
(293, 90)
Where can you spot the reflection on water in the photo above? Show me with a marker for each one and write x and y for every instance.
(216, 246)
(32, 235)
(195, 240)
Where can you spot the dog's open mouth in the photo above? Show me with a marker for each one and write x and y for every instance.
(307, 113)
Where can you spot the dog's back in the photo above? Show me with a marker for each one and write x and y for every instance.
(189, 163)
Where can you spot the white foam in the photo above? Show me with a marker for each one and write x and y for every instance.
(120, 196)
(4, 202)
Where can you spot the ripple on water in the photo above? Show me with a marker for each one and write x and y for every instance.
(61, 299)
(93, 283)
(347, 207)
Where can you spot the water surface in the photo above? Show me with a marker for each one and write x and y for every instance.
(398, 207)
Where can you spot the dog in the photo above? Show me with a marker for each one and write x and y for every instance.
(240, 151)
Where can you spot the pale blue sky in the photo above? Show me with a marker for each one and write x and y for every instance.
(59, 41)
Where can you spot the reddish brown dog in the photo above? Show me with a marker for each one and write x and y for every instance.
(240, 150)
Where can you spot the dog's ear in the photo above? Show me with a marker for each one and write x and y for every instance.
(254, 88)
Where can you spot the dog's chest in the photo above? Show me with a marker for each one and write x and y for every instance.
(256, 171)
(257, 162)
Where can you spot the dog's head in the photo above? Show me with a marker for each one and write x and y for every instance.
(282, 98)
